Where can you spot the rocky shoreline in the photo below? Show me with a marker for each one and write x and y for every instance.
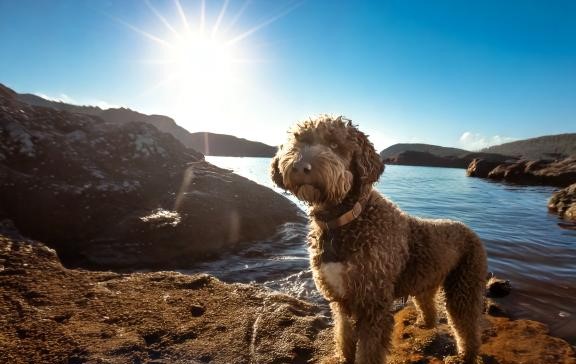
(499, 168)
(123, 195)
(51, 314)
(563, 203)
(559, 173)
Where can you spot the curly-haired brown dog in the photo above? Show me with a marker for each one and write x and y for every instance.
(364, 251)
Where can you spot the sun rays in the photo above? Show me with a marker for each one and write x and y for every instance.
(201, 58)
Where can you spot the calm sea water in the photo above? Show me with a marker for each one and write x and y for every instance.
(524, 242)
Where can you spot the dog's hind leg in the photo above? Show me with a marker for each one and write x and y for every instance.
(374, 332)
(464, 288)
(344, 333)
(426, 304)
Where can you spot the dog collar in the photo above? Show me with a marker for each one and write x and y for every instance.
(345, 218)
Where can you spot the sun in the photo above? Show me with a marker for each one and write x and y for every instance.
(197, 64)
(202, 64)
(200, 59)
(201, 69)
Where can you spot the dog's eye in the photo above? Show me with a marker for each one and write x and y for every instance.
(333, 146)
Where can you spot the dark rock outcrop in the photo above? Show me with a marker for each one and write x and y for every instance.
(540, 172)
(558, 173)
(413, 158)
(563, 203)
(497, 288)
(123, 195)
(436, 150)
(480, 168)
(50, 314)
(512, 172)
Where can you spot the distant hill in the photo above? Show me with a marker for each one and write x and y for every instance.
(545, 147)
(219, 144)
(435, 156)
(228, 145)
(549, 147)
(435, 150)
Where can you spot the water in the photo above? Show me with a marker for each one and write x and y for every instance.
(524, 243)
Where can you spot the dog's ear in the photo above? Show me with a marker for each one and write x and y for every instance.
(366, 161)
(275, 174)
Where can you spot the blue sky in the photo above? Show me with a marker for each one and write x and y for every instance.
(453, 73)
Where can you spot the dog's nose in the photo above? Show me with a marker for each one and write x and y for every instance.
(302, 167)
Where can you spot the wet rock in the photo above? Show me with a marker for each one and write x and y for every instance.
(480, 168)
(513, 172)
(570, 213)
(123, 195)
(197, 310)
(563, 203)
(560, 173)
(497, 288)
(494, 309)
(554, 173)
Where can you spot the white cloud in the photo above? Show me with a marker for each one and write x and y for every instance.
(69, 100)
(475, 141)
(61, 98)
(101, 104)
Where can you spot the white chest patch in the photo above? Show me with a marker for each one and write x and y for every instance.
(333, 275)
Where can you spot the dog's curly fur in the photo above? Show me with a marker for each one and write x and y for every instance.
(361, 267)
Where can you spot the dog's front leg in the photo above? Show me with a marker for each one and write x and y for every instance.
(375, 327)
(344, 333)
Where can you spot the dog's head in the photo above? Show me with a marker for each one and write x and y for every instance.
(324, 159)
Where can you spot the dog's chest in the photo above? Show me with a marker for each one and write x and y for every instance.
(333, 275)
(331, 264)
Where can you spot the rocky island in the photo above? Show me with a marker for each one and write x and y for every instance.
(428, 155)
